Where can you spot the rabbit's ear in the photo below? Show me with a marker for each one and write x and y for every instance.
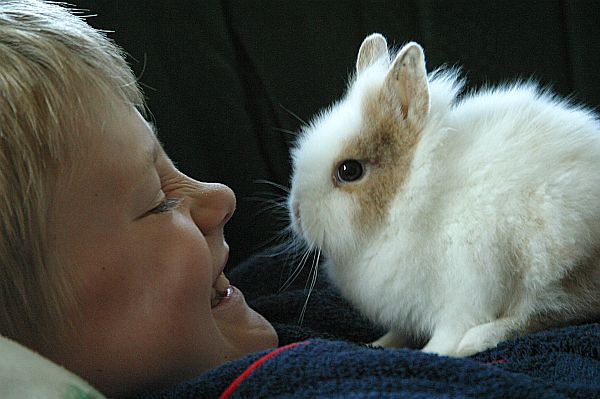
(407, 86)
(372, 48)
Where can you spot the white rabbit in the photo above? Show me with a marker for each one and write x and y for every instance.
(465, 221)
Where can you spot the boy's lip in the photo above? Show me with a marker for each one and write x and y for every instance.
(220, 289)
(222, 264)
(231, 296)
(230, 303)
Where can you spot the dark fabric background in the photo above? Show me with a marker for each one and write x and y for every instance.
(221, 75)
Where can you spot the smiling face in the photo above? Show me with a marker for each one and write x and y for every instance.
(144, 245)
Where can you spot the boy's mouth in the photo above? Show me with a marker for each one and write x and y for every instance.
(220, 290)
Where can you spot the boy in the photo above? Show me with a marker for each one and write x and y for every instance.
(112, 259)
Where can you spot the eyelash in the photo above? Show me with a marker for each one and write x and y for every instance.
(167, 205)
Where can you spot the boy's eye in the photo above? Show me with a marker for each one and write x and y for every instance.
(166, 205)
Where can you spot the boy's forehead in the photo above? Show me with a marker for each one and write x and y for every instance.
(125, 150)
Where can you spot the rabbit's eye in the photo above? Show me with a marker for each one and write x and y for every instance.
(349, 171)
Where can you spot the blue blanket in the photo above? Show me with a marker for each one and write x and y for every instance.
(325, 357)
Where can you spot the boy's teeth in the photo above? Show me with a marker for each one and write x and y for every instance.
(221, 284)
(219, 290)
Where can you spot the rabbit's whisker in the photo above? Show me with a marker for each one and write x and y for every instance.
(313, 280)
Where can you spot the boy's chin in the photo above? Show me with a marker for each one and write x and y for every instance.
(246, 330)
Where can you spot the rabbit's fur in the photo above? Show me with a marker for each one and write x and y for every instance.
(474, 219)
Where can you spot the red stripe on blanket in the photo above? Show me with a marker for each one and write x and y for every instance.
(240, 379)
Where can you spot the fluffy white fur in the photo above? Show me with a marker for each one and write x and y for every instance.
(495, 231)
(316, 153)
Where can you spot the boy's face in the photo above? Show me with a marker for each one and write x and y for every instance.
(145, 270)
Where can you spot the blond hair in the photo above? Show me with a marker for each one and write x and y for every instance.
(52, 68)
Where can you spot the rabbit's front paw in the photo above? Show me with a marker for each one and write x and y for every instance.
(391, 340)
(484, 336)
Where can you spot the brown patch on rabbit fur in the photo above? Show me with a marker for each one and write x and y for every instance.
(387, 144)
(581, 284)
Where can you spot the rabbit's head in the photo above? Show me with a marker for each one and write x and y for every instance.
(352, 160)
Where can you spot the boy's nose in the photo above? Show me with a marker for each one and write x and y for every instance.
(213, 206)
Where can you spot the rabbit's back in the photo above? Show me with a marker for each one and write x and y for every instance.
(521, 182)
